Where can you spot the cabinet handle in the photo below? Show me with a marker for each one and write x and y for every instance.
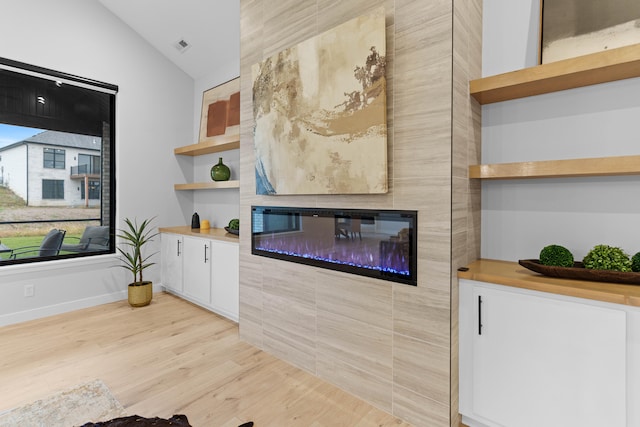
(205, 254)
(479, 315)
(178, 246)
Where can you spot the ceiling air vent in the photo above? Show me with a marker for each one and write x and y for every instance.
(182, 45)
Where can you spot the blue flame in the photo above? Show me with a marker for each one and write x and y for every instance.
(337, 261)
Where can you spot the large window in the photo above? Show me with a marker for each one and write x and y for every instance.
(57, 165)
(52, 189)
(53, 158)
(89, 164)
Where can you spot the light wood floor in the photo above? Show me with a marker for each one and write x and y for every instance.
(171, 357)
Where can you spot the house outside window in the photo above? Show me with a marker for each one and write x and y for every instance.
(54, 158)
(53, 189)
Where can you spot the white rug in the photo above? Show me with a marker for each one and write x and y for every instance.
(90, 402)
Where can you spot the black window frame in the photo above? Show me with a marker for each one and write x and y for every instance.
(93, 165)
(101, 95)
(53, 189)
(55, 157)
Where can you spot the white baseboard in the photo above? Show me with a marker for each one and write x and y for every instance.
(50, 310)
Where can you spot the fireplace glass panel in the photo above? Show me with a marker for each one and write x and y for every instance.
(373, 243)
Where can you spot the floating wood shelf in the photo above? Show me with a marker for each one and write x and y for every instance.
(601, 67)
(217, 185)
(600, 166)
(220, 143)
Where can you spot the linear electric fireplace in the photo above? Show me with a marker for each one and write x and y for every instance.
(374, 243)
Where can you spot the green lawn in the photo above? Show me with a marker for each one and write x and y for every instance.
(28, 241)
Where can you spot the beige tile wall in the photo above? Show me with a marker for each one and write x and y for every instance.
(393, 345)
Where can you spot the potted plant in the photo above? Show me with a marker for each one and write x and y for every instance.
(135, 236)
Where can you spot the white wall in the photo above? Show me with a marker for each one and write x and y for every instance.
(519, 217)
(154, 115)
(510, 34)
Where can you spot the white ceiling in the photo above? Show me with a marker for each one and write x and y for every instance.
(211, 27)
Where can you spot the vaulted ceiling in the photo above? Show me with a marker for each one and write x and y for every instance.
(210, 28)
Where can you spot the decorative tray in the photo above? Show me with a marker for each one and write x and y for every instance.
(578, 272)
(229, 230)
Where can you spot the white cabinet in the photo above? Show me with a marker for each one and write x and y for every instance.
(225, 278)
(197, 269)
(171, 260)
(202, 270)
(532, 359)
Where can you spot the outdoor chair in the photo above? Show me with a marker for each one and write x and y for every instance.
(50, 246)
(94, 238)
(348, 227)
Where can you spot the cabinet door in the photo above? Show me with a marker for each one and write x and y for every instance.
(197, 269)
(171, 249)
(545, 362)
(224, 278)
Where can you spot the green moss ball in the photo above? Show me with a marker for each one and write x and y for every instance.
(635, 262)
(557, 256)
(234, 224)
(605, 257)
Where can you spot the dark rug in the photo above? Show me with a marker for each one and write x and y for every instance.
(138, 421)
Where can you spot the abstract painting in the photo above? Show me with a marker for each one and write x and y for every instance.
(220, 111)
(320, 113)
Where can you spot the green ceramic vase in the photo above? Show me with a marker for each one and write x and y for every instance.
(220, 172)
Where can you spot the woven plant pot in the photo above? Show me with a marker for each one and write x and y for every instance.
(140, 293)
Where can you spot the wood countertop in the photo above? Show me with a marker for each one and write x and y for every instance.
(513, 274)
(212, 233)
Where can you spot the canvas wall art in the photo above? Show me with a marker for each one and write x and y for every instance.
(573, 28)
(220, 111)
(320, 113)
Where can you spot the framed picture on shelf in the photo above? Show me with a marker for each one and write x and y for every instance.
(571, 28)
(220, 113)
